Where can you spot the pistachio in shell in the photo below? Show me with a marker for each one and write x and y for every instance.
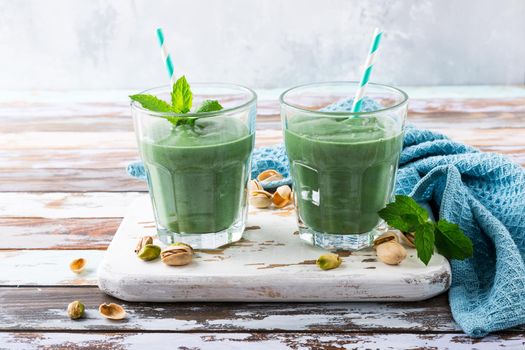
(112, 311)
(386, 237)
(260, 199)
(142, 242)
(149, 252)
(77, 265)
(391, 252)
(177, 255)
(269, 176)
(75, 310)
(329, 261)
(254, 185)
(282, 196)
(408, 238)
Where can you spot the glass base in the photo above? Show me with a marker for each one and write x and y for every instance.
(204, 240)
(353, 242)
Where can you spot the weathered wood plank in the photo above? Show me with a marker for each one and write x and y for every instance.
(47, 267)
(256, 341)
(40, 233)
(65, 205)
(44, 308)
(74, 180)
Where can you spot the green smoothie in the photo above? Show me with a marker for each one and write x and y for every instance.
(197, 174)
(343, 170)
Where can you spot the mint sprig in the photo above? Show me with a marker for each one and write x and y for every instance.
(407, 216)
(181, 103)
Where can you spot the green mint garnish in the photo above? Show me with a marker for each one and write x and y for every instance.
(181, 96)
(152, 103)
(181, 102)
(209, 106)
(407, 216)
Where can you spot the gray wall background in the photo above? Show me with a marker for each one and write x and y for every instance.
(91, 44)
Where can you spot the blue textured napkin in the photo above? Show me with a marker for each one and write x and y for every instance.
(484, 193)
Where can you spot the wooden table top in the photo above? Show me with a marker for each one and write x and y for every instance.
(63, 192)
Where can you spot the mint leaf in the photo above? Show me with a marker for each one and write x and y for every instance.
(181, 96)
(404, 214)
(209, 106)
(424, 241)
(451, 242)
(152, 103)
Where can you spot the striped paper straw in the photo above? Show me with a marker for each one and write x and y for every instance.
(165, 55)
(370, 60)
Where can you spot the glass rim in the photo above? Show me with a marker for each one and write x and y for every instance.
(403, 94)
(251, 93)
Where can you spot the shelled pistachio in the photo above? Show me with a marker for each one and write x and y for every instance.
(75, 310)
(329, 261)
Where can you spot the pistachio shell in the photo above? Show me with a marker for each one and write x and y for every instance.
(269, 175)
(254, 185)
(112, 311)
(391, 252)
(260, 199)
(77, 265)
(75, 310)
(408, 238)
(149, 252)
(142, 242)
(329, 261)
(282, 196)
(386, 237)
(177, 255)
(181, 243)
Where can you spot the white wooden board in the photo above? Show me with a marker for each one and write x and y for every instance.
(271, 263)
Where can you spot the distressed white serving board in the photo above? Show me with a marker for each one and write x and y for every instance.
(271, 263)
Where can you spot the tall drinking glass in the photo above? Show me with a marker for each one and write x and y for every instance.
(198, 172)
(343, 164)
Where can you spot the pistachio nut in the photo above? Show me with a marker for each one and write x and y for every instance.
(329, 261)
(254, 185)
(75, 310)
(177, 255)
(386, 237)
(269, 176)
(408, 238)
(260, 199)
(391, 252)
(282, 196)
(77, 265)
(149, 252)
(182, 243)
(112, 311)
(142, 242)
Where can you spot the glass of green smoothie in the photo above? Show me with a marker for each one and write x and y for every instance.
(343, 164)
(198, 163)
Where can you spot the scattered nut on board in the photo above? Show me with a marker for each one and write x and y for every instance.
(112, 311)
(177, 254)
(329, 261)
(75, 310)
(77, 265)
(389, 250)
(149, 252)
(260, 199)
(142, 242)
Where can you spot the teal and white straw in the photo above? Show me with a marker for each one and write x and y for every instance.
(165, 55)
(367, 71)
